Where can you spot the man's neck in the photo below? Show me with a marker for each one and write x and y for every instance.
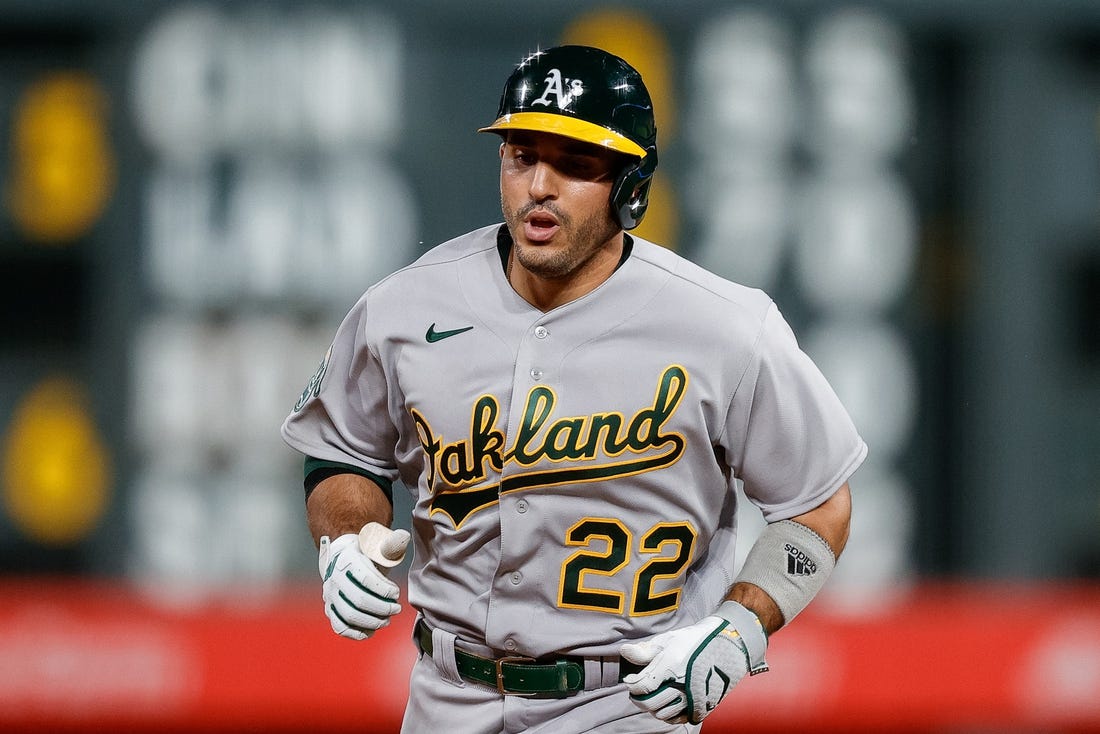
(547, 294)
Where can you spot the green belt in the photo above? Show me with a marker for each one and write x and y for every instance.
(521, 676)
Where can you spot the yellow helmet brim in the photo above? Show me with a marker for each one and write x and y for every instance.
(569, 127)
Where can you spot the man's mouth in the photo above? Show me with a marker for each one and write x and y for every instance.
(540, 226)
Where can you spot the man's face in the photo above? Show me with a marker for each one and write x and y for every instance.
(555, 196)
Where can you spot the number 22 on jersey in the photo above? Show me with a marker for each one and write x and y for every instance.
(606, 547)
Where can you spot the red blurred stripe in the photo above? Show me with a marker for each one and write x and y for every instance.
(84, 656)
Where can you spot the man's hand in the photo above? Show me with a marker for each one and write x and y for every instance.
(358, 598)
(690, 670)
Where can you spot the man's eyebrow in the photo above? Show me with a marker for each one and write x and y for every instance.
(520, 138)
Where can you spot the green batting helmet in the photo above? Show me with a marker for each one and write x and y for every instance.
(587, 94)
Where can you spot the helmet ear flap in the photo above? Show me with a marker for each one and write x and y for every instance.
(630, 194)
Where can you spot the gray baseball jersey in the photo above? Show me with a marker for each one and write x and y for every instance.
(573, 471)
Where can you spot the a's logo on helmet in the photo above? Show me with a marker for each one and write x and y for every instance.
(556, 86)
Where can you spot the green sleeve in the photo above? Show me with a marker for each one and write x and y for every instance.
(317, 470)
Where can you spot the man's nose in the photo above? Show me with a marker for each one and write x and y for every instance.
(543, 182)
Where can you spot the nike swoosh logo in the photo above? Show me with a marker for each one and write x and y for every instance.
(432, 336)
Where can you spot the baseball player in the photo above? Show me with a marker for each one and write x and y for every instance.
(570, 407)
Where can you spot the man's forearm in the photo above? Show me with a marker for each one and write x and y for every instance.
(831, 522)
(753, 598)
(344, 503)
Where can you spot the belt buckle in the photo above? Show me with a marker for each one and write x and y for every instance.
(500, 673)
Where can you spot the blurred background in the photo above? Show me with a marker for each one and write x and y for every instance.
(192, 194)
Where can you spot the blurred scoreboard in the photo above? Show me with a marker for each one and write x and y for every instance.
(194, 194)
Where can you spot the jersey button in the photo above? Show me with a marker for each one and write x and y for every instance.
(521, 506)
(536, 373)
(516, 577)
(541, 332)
(510, 644)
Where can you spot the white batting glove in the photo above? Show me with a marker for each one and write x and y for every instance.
(690, 670)
(358, 597)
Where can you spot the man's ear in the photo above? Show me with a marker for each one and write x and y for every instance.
(501, 151)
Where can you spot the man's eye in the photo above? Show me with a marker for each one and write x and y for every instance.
(582, 167)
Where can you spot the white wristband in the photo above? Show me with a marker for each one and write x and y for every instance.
(790, 563)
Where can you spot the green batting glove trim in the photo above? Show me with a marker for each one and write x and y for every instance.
(689, 710)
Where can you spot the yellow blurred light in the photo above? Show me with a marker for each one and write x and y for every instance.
(63, 171)
(641, 42)
(56, 468)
